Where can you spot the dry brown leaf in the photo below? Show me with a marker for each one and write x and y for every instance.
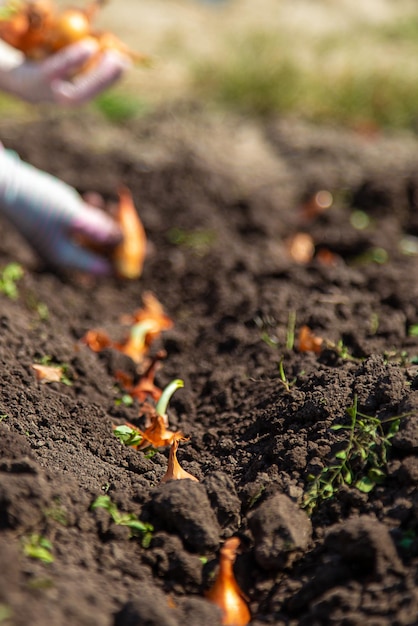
(97, 340)
(48, 373)
(145, 388)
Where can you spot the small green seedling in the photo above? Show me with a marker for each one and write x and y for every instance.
(127, 435)
(125, 519)
(57, 512)
(125, 400)
(133, 437)
(290, 331)
(360, 463)
(287, 384)
(38, 547)
(256, 496)
(342, 351)
(9, 276)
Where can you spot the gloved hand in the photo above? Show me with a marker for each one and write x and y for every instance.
(51, 80)
(48, 213)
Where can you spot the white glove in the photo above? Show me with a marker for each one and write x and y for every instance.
(49, 214)
(53, 80)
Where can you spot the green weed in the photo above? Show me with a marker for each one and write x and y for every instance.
(125, 400)
(37, 547)
(127, 435)
(9, 277)
(287, 384)
(57, 513)
(361, 461)
(125, 519)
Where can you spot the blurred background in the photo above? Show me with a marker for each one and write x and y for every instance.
(354, 63)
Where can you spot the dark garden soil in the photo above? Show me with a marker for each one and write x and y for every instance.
(220, 198)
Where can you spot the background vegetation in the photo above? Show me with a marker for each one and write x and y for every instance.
(350, 62)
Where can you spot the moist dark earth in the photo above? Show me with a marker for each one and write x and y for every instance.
(220, 198)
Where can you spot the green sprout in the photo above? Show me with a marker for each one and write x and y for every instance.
(360, 463)
(290, 332)
(162, 404)
(9, 276)
(342, 351)
(125, 519)
(132, 436)
(287, 384)
(37, 547)
(140, 330)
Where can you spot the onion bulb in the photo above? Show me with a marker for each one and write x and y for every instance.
(174, 469)
(226, 592)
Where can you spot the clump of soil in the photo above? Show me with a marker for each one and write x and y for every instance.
(220, 199)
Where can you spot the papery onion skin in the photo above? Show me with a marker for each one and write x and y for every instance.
(226, 592)
(129, 255)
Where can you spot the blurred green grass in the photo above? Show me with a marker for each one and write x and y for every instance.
(348, 63)
(119, 107)
(263, 74)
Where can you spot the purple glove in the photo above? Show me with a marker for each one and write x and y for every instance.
(51, 80)
(48, 213)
